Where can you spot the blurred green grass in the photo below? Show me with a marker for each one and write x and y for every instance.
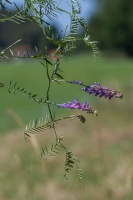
(116, 74)
(104, 144)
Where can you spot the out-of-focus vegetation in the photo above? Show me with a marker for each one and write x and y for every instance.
(30, 34)
(106, 155)
(15, 25)
(111, 25)
(107, 139)
(116, 74)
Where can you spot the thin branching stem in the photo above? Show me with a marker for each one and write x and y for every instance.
(51, 116)
(47, 97)
(49, 82)
(11, 45)
(41, 21)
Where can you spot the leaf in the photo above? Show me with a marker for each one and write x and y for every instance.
(8, 1)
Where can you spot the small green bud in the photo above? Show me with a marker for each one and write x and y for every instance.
(61, 137)
(2, 53)
(95, 113)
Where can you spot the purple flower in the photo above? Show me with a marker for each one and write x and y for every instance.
(76, 82)
(76, 105)
(101, 91)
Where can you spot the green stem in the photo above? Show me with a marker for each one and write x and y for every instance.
(56, 67)
(49, 82)
(47, 97)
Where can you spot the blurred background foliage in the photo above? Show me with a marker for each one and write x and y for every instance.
(103, 144)
(112, 26)
(30, 33)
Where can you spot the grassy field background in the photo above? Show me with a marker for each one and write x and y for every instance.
(103, 144)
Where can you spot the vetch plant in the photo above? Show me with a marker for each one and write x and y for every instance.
(40, 12)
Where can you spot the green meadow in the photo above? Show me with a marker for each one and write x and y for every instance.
(103, 144)
(115, 74)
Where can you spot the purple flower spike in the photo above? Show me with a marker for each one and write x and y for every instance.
(76, 105)
(76, 82)
(101, 91)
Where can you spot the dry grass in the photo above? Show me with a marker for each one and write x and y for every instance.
(106, 156)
